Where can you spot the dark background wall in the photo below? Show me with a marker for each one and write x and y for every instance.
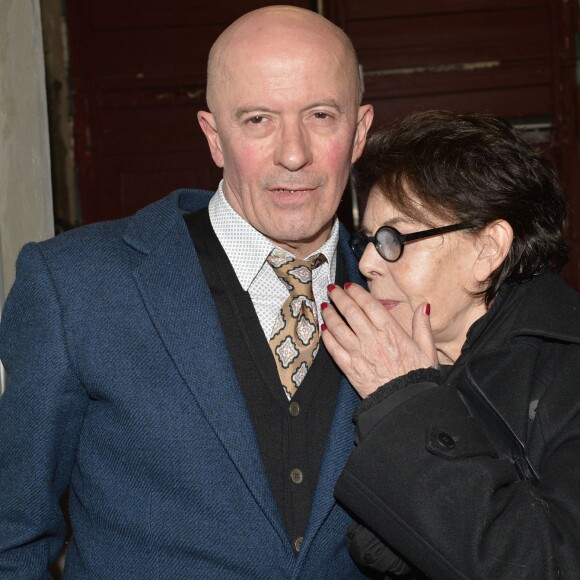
(137, 79)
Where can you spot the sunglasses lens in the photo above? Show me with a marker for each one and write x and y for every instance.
(389, 245)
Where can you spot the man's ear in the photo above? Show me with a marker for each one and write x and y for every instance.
(208, 125)
(364, 120)
(494, 243)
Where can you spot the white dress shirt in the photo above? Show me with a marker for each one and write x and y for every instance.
(247, 250)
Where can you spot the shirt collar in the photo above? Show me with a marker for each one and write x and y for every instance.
(246, 248)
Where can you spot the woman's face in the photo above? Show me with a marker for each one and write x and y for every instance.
(437, 270)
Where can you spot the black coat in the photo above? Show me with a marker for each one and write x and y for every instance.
(425, 476)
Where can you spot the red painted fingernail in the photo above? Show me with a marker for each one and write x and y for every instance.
(323, 305)
(323, 327)
(347, 285)
(427, 309)
(330, 287)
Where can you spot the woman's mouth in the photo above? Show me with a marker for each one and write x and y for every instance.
(389, 304)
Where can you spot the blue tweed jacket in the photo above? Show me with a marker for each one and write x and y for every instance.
(121, 388)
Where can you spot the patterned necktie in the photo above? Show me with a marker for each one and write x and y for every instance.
(295, 338)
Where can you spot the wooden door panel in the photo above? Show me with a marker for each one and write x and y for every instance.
(372, 9)
(144, 55)
(146, 129)
(132, 181)
(452, 38)
(127, 14)
(463, 78)
(128, 182)
(528, 102)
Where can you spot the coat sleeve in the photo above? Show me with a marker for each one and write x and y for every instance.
(425, 478)
(40, 417)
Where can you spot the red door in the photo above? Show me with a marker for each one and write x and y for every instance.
(138, 79)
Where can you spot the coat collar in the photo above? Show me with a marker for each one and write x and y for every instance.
(544, 306)
(551, 309)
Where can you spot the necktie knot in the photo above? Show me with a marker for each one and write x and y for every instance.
(296, 274)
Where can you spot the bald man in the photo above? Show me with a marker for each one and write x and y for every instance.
(154, 367)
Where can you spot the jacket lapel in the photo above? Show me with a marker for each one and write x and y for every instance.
(180, 305)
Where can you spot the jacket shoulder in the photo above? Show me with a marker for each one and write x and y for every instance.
(142, 231)
(550, 308)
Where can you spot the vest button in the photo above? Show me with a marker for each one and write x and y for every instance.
(294, 409)
(298, 543)
(296, 476)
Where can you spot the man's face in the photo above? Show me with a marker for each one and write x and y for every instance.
(286, 127)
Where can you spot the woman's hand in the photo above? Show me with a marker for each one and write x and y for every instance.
(368, 344)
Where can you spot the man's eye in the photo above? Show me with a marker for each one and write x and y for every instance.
(321, 115)
(256, 120)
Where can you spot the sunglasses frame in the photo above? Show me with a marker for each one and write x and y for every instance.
(361, 239)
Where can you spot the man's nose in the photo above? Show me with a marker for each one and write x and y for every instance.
(293, 150)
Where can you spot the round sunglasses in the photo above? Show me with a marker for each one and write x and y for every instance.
(389, 242)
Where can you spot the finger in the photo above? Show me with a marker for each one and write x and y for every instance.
(381, 332)
(422, 332)
(340, 355)
(373, 309)
(353, 304)
(343, 358)
(339, 328)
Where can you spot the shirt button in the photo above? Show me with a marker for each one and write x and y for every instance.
(296, 476)
(298, 543)
(294, 409)
(445, 440)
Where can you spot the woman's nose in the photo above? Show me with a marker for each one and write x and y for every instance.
(371, 264)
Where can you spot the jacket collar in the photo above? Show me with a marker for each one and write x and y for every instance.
(552, 310)
(149, 226)
(544, 306)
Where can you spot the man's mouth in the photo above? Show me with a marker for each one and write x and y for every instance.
(293, 190)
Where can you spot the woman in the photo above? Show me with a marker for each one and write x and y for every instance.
(467, 355)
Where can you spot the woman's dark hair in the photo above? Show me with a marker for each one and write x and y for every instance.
(470, 168)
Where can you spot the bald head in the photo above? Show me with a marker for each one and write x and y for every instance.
(285, 122)
(283, 29)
